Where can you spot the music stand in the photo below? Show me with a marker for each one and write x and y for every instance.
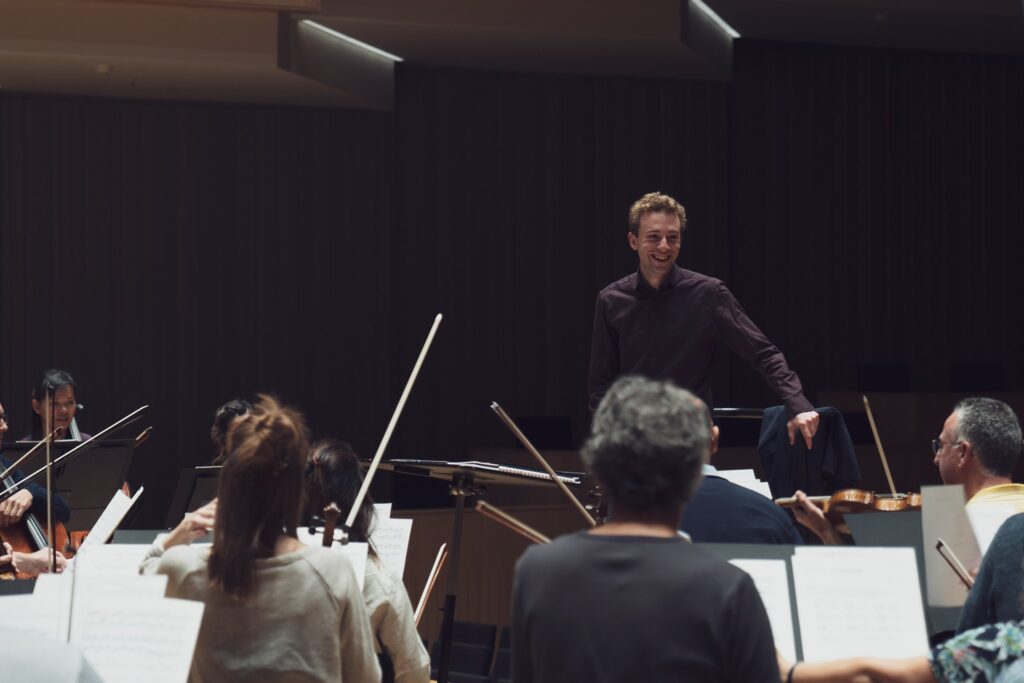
(463, 477)
(196, 487)
(85, 482)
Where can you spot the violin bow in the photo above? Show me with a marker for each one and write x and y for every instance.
(507, 520)
(878, 444)
(387, 433)
(28, 454)
(442, 555)
(540, 458)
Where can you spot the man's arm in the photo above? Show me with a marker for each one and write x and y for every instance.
(747, 341)
(604, 356)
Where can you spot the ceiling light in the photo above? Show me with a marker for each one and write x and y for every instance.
(349, 39)
(733, 33)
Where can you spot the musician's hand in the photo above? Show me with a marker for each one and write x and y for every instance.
(32, 564)
(194, 526)
(806, 424)
(813, 517)
(12, 509)
(784, 665)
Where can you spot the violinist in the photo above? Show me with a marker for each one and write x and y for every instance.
(33, 497)
(61, 387)
(978, 447)
(276, 609)
(223, 420)
(632, 600)
(333, 475)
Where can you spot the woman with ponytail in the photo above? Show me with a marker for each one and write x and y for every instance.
(276, 610)
(333, 475)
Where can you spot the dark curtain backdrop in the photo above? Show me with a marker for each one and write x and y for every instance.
(865, 206)
(178, 255)
(877, 207)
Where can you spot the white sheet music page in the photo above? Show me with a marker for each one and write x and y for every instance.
(111, 518)
(878, 594)
(140, 639)
(37, 615)
(391, 541)
(112, 559)
(381, 511)
(772, 582)
(355, 552)
(985, 521)
(943, 516)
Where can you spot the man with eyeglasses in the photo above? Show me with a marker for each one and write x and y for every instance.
(978, 447)
(665, 322)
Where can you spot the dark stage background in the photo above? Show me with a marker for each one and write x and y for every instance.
(865, 206)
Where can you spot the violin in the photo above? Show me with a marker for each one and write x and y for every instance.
(28, 536)
(851, 501)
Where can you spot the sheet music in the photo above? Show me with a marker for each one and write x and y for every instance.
(111, 518)
(877, 592)
(383, 510)
(133, 639)
(391, 541)
(355, 552)
(113, 559)
(53, 595)
(943, 516)
(772, 582)
(36, 616)
(985, 521)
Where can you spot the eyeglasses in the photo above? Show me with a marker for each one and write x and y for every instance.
(937, 445)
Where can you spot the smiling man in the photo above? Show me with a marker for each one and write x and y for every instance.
(665, 322)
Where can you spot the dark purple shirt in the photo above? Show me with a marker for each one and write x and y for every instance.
(672, 334)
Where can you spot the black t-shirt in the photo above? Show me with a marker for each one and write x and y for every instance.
(723, 512)
(603, 609)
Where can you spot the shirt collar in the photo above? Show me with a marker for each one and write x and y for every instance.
(709, 469)
(668, 283)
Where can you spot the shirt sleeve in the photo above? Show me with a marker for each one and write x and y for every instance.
(751, 645)
(604, 355)
(400, 640)
(747, 341)
(981, 654)
(522, 671)
(358, 660)
(60, 508)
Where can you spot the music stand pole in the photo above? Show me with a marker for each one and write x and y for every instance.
(462, 486)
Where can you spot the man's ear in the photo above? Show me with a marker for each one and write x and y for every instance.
(714, 439)
(967, 456)
(634, 243)
(37, 407)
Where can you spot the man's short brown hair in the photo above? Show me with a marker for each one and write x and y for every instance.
(655, 202)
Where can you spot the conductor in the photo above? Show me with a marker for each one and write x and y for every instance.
(665, 322)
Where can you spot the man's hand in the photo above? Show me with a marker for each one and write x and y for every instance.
(194, 526)
(12, 509)
(806, 424)
(813, 517)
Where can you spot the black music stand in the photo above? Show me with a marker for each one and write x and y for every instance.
(464, 477)
(197, 486)
(86, 481)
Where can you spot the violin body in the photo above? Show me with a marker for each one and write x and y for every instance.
(28, 536)
(853, 501)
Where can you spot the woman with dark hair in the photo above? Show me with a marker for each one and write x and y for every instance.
(333, 475)
(63, 390)
(276, 609)
(223, 420)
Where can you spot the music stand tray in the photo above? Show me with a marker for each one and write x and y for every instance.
(88, 480)
(196, 487)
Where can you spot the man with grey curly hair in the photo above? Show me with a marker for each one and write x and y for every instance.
(978, 447)
(632, 600)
